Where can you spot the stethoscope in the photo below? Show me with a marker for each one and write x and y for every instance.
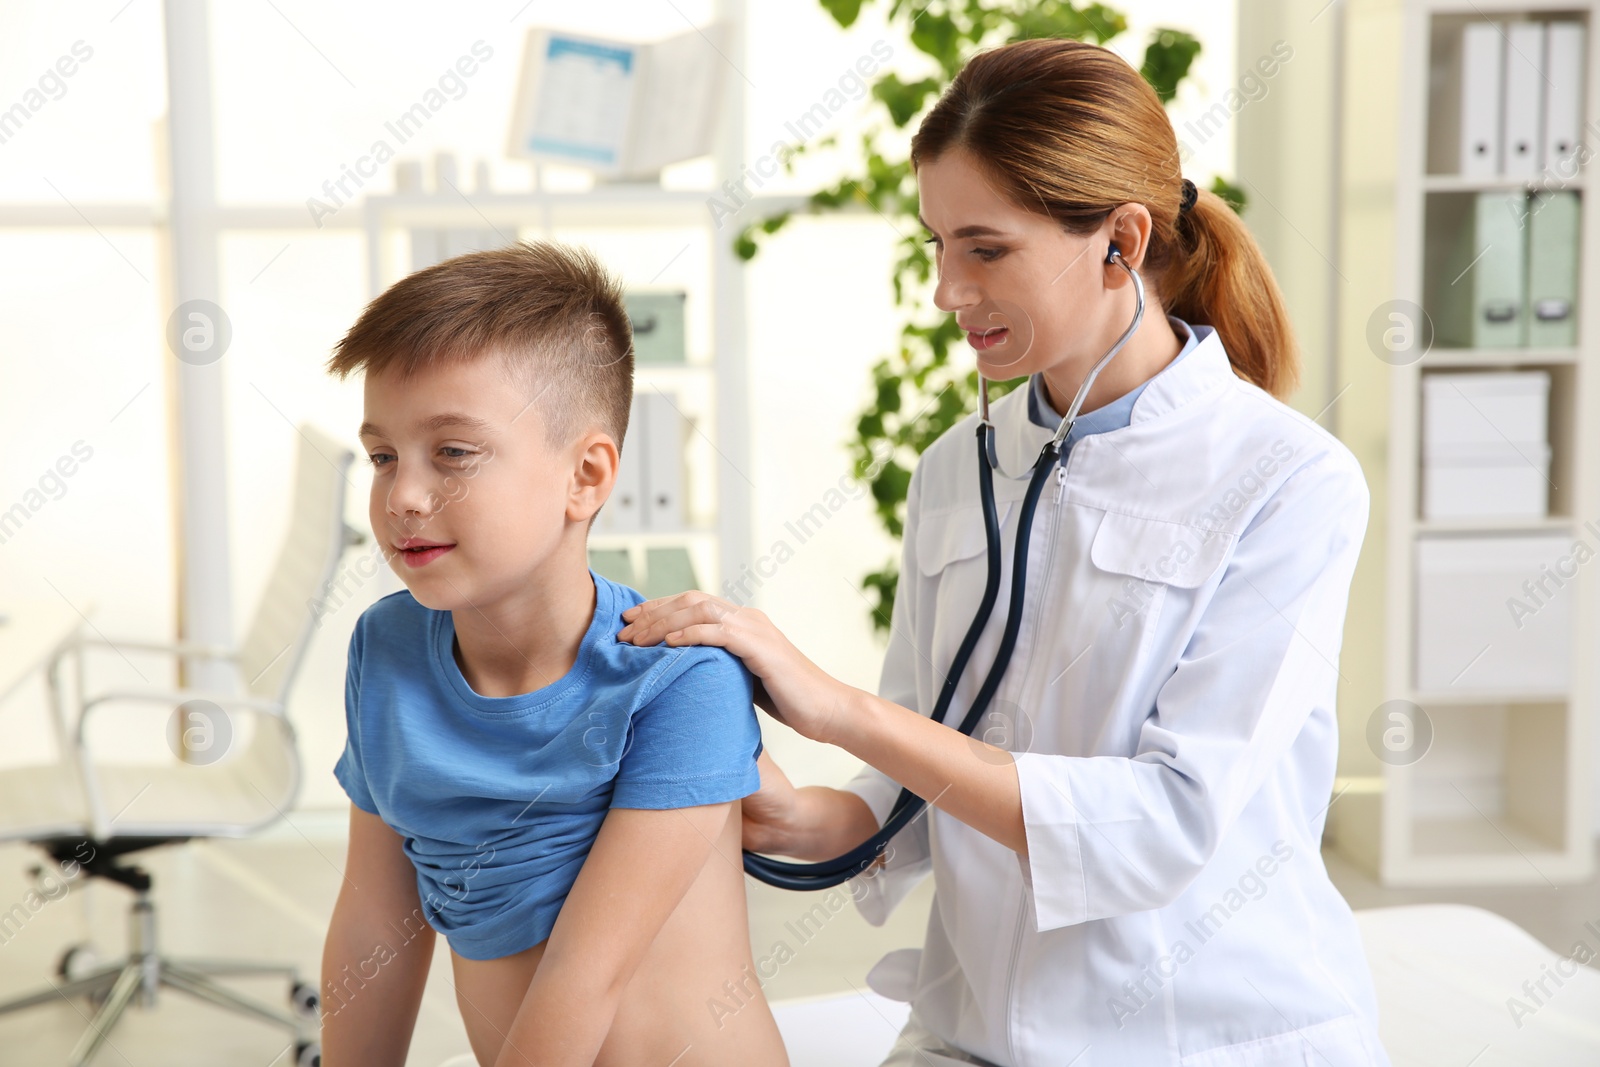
(907, 805)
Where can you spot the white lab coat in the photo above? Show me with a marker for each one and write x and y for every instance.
(1170, 708)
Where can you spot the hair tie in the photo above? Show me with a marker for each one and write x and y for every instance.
(1190, 194)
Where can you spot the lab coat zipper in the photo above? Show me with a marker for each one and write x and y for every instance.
(1016, 938)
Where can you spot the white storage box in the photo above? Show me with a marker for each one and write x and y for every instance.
(1485, 409)
(1499, 481)
(1494, 613)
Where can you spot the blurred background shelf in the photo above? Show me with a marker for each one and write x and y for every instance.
(1499, 788)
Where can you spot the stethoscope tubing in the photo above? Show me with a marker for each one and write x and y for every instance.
(908, 805)
(828, 873)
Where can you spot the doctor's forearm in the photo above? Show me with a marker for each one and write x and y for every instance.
(972, 780)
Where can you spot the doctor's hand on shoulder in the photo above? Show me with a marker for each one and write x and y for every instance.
(809, 822)
(789, 686)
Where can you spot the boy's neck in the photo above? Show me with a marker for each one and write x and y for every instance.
(522, 644)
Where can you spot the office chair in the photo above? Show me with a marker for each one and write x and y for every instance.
(88, 815)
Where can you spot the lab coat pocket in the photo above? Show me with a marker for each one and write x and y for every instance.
(1146, 568)
(1159, 551)
(954, 534)
(954, 568)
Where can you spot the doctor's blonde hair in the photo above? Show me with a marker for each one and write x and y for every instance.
(1070, 129)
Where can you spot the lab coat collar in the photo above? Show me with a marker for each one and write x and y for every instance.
(1018, 440)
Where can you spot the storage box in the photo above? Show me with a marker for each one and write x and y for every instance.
(1485, 409)
(1500, 481)
(1494, 613)
(658, 332)
(1476, 409)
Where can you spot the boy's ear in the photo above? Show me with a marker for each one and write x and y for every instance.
(594, 473)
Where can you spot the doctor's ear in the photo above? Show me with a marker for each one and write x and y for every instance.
(1128, 231)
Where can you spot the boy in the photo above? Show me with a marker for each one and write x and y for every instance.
(563, 806)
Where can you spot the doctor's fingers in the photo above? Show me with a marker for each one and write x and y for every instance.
(644, 616)
(652, 608)
(648, 609)
(671, 614)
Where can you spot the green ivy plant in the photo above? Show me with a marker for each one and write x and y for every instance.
(917, 393)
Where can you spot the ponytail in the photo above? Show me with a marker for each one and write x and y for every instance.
(1220, 277)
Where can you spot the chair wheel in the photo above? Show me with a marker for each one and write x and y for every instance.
(305, 1000)
(76, 961)
(308, 1054)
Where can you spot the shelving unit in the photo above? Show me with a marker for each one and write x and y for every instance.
(1503, 793)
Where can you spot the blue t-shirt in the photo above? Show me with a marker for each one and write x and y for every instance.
(1112, 416)
(499, 799)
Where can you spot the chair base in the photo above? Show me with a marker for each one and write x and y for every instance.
(144, 971)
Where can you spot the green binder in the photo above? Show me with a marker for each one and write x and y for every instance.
(1479, 295)
(615, 564)
(668, 570)
(1553, 269)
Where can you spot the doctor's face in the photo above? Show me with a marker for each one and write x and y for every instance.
(1024, 290)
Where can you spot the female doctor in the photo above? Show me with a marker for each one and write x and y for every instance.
(1134, 878)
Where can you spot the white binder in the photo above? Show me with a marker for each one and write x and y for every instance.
(663, 448)
(1563, 89)
(1520, 133)
(1481, 55)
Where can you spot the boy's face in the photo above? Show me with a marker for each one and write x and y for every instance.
(468, 499)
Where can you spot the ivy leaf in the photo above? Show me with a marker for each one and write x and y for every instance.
(904, 100)
(1234, 195)
(744, 245)
(889, 394)
(936, 36)
(883, 583)
(1051, 19)
(1167, 59)
(844, 12)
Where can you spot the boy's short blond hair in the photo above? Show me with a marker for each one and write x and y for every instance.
(549, 312)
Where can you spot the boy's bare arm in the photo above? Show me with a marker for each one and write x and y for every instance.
(376, 958)
(640, 867)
